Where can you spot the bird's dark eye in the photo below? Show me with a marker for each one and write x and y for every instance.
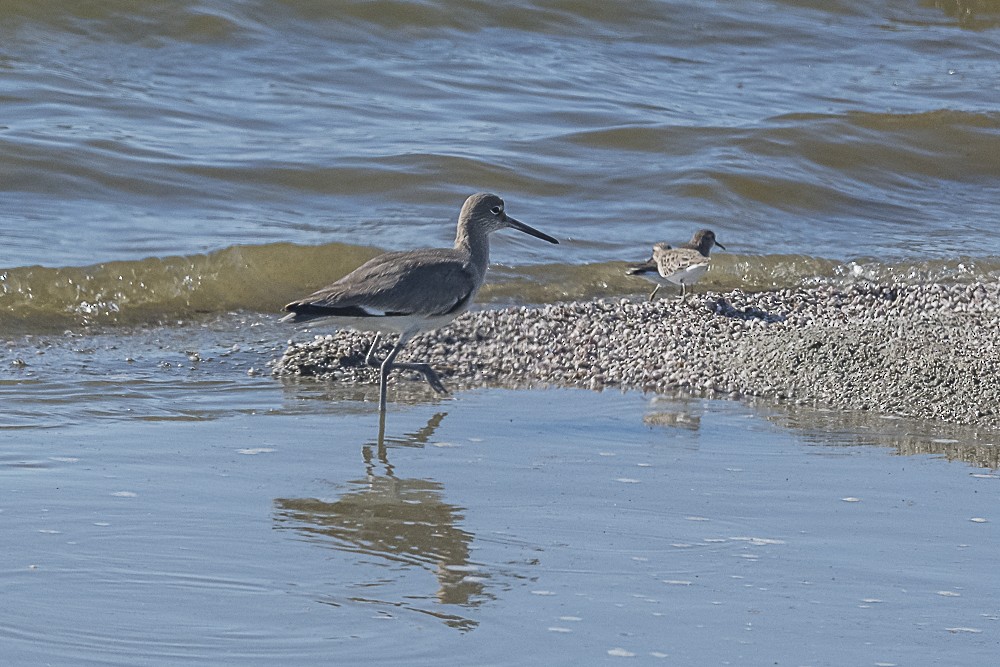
(496, 210)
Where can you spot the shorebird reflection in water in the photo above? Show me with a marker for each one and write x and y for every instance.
(684, 265)
(415, 290)
(407, 523)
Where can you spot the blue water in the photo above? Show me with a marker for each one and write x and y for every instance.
(834, 130)
(500, 528)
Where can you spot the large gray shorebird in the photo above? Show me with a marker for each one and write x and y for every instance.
(683, 266)
(414, 290)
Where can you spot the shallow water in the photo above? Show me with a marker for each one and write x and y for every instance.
(591, 527)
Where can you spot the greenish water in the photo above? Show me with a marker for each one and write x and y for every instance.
(261, 279)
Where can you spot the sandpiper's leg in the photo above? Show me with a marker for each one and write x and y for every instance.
(424, 369)
(381, 439)
(683, 291)
(370, 358)
(654, 292)
(433, 379)
(386, 366)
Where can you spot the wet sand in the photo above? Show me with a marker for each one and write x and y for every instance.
(922, 351)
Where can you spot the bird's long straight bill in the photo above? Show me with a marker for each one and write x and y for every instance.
(517, 224)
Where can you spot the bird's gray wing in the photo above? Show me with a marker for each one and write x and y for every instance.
(425, 282)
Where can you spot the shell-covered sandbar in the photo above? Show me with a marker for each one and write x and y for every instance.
(925, 351)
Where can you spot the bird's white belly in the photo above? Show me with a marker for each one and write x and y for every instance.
(687, 275)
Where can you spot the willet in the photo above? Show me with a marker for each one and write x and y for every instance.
(682, 266)
(414, 290)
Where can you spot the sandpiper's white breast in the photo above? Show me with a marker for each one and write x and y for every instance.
(680, 265)
(688, 274)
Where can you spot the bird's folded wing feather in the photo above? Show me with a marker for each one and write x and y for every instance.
(649, 266)
(430, 282)
(679, 258)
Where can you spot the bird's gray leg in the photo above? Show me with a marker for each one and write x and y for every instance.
(423, 368)
(370, 358)
(654, 292)
(429, 374)
(386, 366)
(390, 362)
(433, 379)
(683, 290)
(381, 439)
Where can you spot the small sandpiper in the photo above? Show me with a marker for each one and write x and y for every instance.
(682, 266)
(414, 290)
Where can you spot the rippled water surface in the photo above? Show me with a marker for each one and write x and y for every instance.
(838, 130)
(174, 150)
(171, 173)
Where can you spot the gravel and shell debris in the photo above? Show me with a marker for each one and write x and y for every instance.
(916, 350)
